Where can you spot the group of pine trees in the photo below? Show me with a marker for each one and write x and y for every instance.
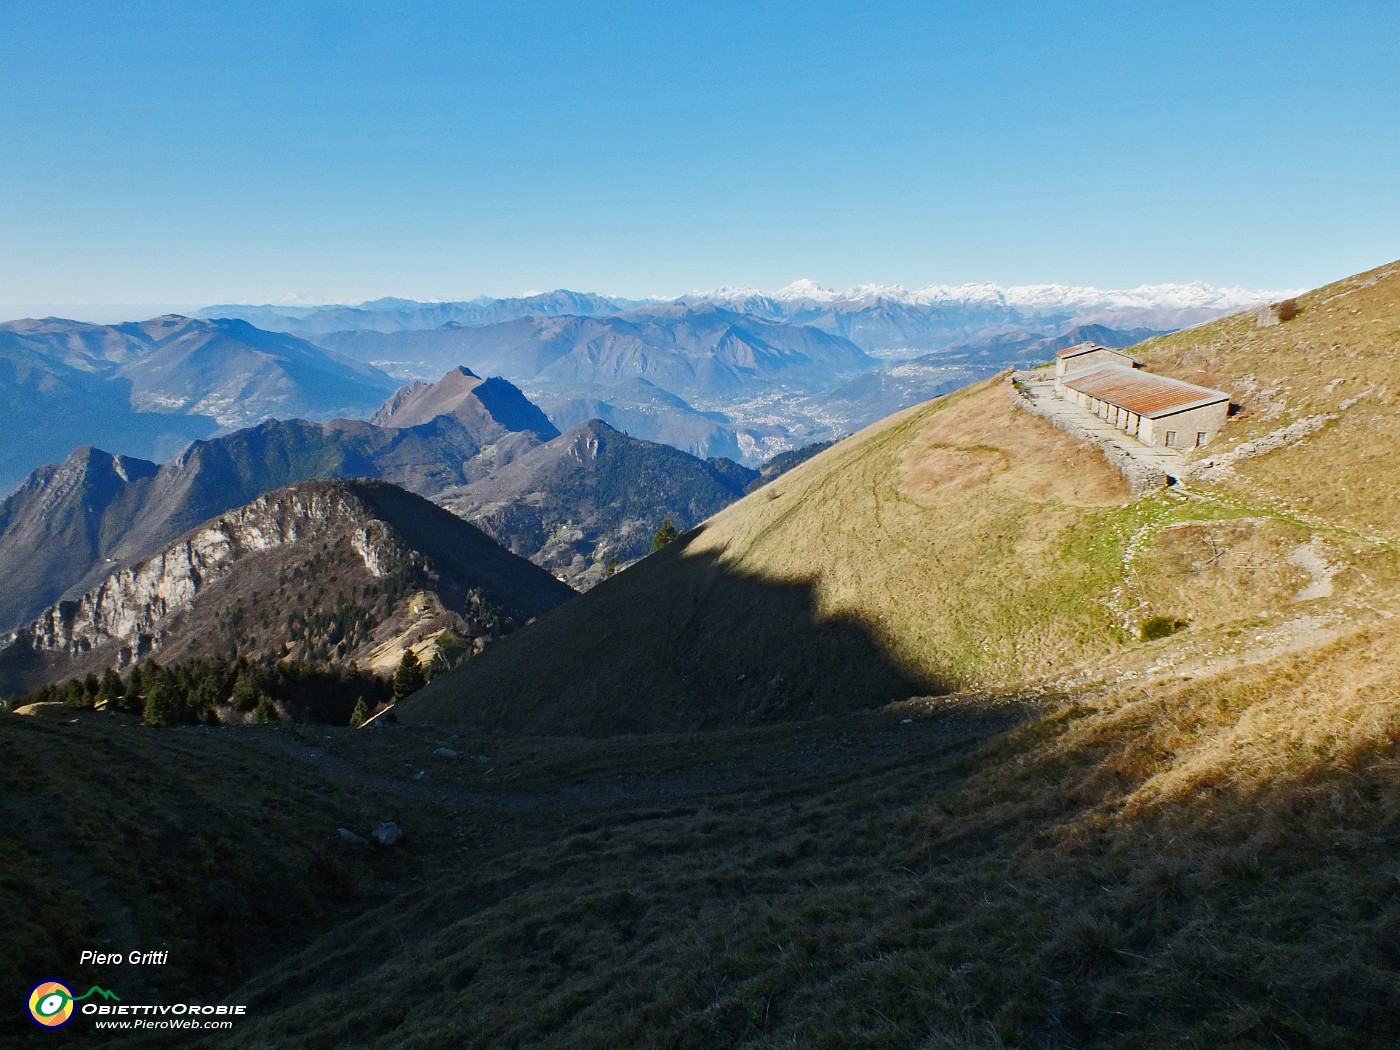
(194, 690)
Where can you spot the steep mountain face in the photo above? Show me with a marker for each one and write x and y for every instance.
(75, 384)
(689, 352)
(241, 375)
(148, 388)
(68, 526)
(61, 522)
(488, 408)
(593, 495)
(335, 572)
(642, 409)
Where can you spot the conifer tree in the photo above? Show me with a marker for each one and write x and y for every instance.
(163, 706)
(664, 535)
(360, 715)
(266, 710)
(409, 677)
(110, 687)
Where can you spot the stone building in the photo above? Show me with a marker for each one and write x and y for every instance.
(1088, 356)
(1158, 411)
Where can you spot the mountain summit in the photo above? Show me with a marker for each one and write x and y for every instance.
(488, 408)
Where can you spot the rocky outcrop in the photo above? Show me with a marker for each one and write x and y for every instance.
(132, 607)
(1218, 467)
(321, 572)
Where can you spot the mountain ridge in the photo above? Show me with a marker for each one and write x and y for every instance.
(369, 544)
(595, 497)
(148, 388)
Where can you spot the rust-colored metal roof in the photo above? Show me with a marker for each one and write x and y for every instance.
(1141, 392)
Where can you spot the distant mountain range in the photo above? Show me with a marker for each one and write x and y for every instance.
(730, 372)
(730, 377)
(701, 378)
(875, 317)
(739, 372)
(692, 352)
(148, 388)
(401, 315)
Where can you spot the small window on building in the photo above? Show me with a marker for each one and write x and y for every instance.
(1171, 439)
(1200, 438)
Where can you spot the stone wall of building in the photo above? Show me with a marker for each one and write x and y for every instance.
(1207, 420)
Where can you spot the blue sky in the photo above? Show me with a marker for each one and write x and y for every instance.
(169, 153)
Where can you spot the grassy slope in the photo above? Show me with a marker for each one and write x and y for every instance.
(959, 544)
(116, 837)
(876, 568)
(1100, 842)
(1335, 359)
(1174, 862)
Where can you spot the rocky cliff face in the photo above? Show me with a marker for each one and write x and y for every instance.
(132, 607)
(332, 572)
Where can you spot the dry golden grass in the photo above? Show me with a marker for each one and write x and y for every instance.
(1158, 862)
(960, 544)
(1336, 359)
(1199, 855)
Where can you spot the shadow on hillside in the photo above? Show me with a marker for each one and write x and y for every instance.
(679, 641)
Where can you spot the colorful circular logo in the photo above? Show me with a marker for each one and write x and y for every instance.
(51, 1004)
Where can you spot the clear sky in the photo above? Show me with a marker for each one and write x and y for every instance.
(179, 152)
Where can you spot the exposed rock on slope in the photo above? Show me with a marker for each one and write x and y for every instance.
(69, 525)
(329, 571)
(489, 408)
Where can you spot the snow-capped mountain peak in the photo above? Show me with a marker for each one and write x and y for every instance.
(1035, 298)
(808, 290)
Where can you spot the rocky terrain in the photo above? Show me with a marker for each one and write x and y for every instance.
(335, 572)
(455, 441)
(590, 501)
